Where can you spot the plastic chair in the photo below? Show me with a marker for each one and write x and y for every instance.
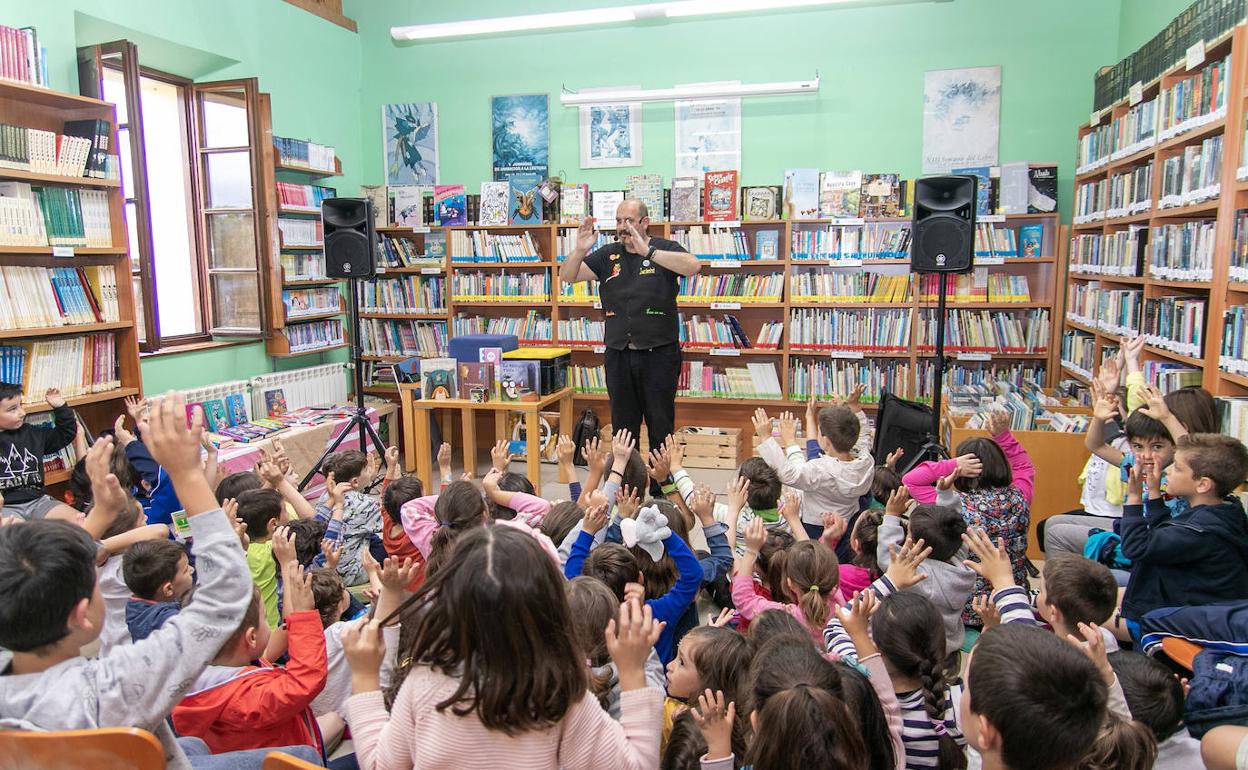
(276, 760)
(101, 749)
(1181, 651)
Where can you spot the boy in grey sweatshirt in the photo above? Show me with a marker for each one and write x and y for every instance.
(53, 606)
(949, 583)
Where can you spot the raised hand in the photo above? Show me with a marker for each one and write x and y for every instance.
(675, 453)
(762, 423)
(854, 401)
(54, 398)
(983, 606)
(106, 491)
(834, 527)
(715, 720)
(171, 443)
(297, 588)
(499, 456)
(788, 429)
(1093, 645)
(565, 450)
(332, 551)
(1109, 375)
(945, 483)
(1154, 404)
(595, 519)
(893, 456)
(898, 502)
(396, 573)
(135, 407)
(755, 535)
(444, 459)
(337, 491)
(702, 503)
(393, 471)
(119, 429)
(586, 235)
(994, 563)
(658, 465)
(812, 418)
(622, 445)
(969, 466)
(903, 570)
(1135, 485)
(1152, 476)
(364, 648)
(596, 457)
(240, 529)
(627, 502)
(284, 547)
(856, 617)
(270, 474)
(738, 492)
(724, 618)
(630, 640)
(997, 422)
(791, 509)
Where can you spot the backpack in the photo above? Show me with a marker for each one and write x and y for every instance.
(586, 428)
(1219, 693)
(1106, 547)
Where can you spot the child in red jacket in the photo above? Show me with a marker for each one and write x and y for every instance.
(235, 705)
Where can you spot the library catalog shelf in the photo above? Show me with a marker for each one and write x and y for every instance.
(35, 177)
(90, 398)
(54, 331)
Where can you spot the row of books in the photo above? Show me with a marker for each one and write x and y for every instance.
(852, 242)
(312, 301)
(1091, 201)
(984, 331)
(1169, 376)
(483, 286)
(1202, 21)
(994, 241)
(404, 294)
(1233, 357)
(1176, 324)
(1113, 311)
(728, 243)
(818, 285)
(578, 291)
(63, 460)
(1239, 254)
(533, 329)
(1195, 100)
(300, 232)
(481, 246)
(403, 338)
(35, 297)
(976, 286)
(1079, 353)
(699, 379)
(298, 152)
(78, 366)
(588, 379)
(314, 335)
(579, 331)
(736, 287)
(303, 196)
(402, 251)
(303, 267)
(53, 216)
(822, 380)
(1122, 137)
(1120, 253)
(1183, 252)
(21, 57)
(819, 330)
(81, 150)
(973, 375)
(1130, 192)
(1193, 176)
(726, 332)
(1233, 414)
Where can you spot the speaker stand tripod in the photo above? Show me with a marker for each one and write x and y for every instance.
(932, 449)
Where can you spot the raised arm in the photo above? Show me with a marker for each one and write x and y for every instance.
(574, 268)
(1021, 467)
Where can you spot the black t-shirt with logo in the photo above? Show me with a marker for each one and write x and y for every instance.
(638, 296)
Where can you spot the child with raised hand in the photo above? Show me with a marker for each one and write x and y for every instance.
(495, 672)
(810, 581)
(159, 575)
(994, 480)
(51, 609)
(273, 477)
(1076, 590)
(22, 448)
(361, 517)
(261, 511)
(710, 658)
(396, 491)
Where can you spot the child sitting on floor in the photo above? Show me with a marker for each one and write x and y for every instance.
(159, 575)
(361, 522)
(22, 447)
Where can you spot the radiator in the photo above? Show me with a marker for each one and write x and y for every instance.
(310, 386)
(221, 392)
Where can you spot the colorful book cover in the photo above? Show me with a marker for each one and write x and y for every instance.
(983, 187)
(215, 418)
(190, 411)
(1031, 240)
(647, 188)
(801, 193)
(525, 204)
(236, 408)
(840, 194)
(573, 203)
(476, 382)
(518, 381)
(493, 357)
(767, 244)
(684, 203)
(407, 200)
(494, 201)
(450, 205)
(438, 378)
(435, 244)
(760, 203)
(881, 196)
(719, 193)
(275, 402)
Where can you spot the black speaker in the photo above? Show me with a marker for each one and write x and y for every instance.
(943, 232)
(350, 239)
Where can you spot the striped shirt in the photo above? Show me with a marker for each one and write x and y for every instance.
(918, 731)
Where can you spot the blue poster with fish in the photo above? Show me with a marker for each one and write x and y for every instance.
(521, 135)
(410, 139)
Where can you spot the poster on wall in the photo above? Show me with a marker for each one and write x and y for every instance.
(708, 136)
(410, 141)
(610, 133)
(961, 118)
(521, 135)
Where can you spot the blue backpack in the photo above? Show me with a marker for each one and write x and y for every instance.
(1106, 547)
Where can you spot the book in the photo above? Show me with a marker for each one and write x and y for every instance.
(881, 195)
(525, 205)
(801, 193)
(840, 194)
(518, 380)
(476, 382)
(1042, 192)
(983, 187)
(379, 197)
(495, 198)
(438, 378)
(275, 402)
(685, 200)
(435, 245)
(767, 244)
(604, 203)
(647, 188)
(492, 357)
(719, 196)
(405, 200)
(450, 205)
(1031, 240)
(760, 203)
(236, 408)
(214, 415)
(1014, 188)
(573, 203)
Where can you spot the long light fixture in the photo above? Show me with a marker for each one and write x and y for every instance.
(699, 91)
(596, 16)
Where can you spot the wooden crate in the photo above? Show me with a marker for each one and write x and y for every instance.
(711, 450)
(755, 441)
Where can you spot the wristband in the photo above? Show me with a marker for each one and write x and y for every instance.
(615, 472)
(667, 488)
(751, 552)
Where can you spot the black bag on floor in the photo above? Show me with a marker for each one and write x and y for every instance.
(587, 427)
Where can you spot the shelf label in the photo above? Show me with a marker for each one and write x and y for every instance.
(600, 348)
(1196, 54)
(597, 304)
(431, 271)
(1136, 93)
(725, 306)
(63, 251)
(381, 271)
(420, 229)
(1095, 119)
(854, 354)
(849, 221)
(725, 225)
(725, 352)
(989, 260)
(974, 356)
(730, 263)
(991, 219)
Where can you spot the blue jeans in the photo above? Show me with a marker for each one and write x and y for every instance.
(201, 758)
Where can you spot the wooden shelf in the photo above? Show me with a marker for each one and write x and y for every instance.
(710, 351)
(1076, 375)
(302, 248)
(1132, 160)
(312, 282)
(76, 401)
(499, 265)
(51, 478)
(1237, 379)
(744, 305)
(1193, 362)
(1134, 219)
(313, 352)
(1198, 285)
(313, 172)
(1195, 134)
(1130, 280)
(304, 212)
(931, 305)
(1082, 327)
(418, 270)
(430, 315)
(27, 93)
(314, 316)
(55, 331)
(72, 181)
(865, 354)
(1194, 210)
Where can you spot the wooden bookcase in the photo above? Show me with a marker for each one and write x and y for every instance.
(1219, 291)
(1045, 274)
(277, 344)
(40, 108)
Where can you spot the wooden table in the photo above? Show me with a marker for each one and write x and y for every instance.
(417, 414)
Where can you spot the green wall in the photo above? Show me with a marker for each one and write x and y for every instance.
(868, 113)
(1139, 20)
(310, 67)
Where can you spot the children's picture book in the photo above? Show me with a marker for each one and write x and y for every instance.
(476, 382)
(720, 196)
(1031, 240)
(760, 203)
(494, 201)
(801, 193)
(525, 204)
(438, 378)
(435, 244)
(450, 205)
(275, 402)
(236, 408)
(407, 200)
(647, 188)
(493, 357)
(840, 194)
(767, 244)
(518, 381)
(604, 203)
(685, 200)
(190, 413)
(881, 195)
(983, 187)
(214, 415)
(573, 203)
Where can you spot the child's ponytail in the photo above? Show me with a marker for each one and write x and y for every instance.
(1123, 744)
(806, 726)
(459, 508)
(812, 573)
(932, 676)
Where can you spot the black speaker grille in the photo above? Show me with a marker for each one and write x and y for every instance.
(942, 243)
(347, 255)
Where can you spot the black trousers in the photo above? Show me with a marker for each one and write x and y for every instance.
(642, 385)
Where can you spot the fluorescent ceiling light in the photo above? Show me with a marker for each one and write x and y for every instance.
(595, 16)
(701, 91)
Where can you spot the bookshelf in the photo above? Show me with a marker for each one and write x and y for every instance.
(305, 308)
(97, 294)
(1157, 260)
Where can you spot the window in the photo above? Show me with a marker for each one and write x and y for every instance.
(190, 176)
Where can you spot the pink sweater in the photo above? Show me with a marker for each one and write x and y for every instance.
(750, 604)
(419, 522)
(416, 735)
(922, 480)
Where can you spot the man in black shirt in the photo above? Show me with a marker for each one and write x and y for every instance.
(637, 279)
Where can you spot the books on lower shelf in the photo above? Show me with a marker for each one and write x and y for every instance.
(314, 301)
(727, 332)
(300, 232)
(34, 297)
(57, 461)
(1233, 416)
(1192, 176)
(1168, 376)
(1136, 130)
(53, 216)
(298, 152)
(1194, 101)
(832, 285)
(994, 241)
(81, 151)
(822, 379)
(1079, 352)
(482, 286)
(1120, 253)
(403, 294)
(1239, 253)
(306, 197)
(713, 242)
(485, 246)
(579, 331)
(1091, 201)
(987, 331)
(1131, 192)
(703, 380)
(25, 61)
(533, 329)
(78, 366)
(578, 291)
(1113, 311)
(588, 379)
(303, 267)
(977, 286)
(314, 335)
(1233, 357)
(975, 375)
(1176, 324)
(865, 330)
(381, 337)
(731, 287)
(402, 251)
(1183, 252)
(874, 240)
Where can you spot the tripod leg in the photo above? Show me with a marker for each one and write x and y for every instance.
(333, 447)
